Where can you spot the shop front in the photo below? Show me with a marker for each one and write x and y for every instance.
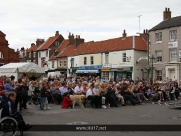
(123, 72)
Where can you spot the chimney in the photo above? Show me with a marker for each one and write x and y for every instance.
(71, 39)
(145, 35)
(124, 34)
(57, 33)
(22, 48)
(39, 42)
(78, 41)
(166, 14)
(32, 44)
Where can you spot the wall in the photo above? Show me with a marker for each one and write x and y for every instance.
(97, 59)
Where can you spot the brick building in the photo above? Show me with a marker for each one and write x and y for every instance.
(7, 54)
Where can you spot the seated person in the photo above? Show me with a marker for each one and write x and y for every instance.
(9, 109)
(94, 97)
(67, 102)
(54, 88)
(79, 91)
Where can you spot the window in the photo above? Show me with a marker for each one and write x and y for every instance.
(29, 54)
(105, 75)
(60, 63)
(92, 60)
(158, 37)
(173, 55)
(173, 34)
(39, 54)
(1, 55)
(46, 53)
(34, 54)
(34, 61)
(159, 56)
(53, 63)
(72, 62)
(124, 57)
(57, 43)
(159, 75)
(65, 63)
(107, 58)
(85, 60)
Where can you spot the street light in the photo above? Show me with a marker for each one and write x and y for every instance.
(152, 58)
(71, 61)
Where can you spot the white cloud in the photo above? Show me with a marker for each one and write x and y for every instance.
(23, 21)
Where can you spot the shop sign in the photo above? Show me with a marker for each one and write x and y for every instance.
(91, 67)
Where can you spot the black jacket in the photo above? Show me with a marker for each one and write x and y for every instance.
(9, 107)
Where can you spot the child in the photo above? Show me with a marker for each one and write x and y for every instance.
(67, 102)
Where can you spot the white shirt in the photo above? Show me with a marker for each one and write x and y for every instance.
(90, 92)
(77, 89)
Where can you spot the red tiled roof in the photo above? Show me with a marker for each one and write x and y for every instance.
(115, 45)
(71, 51)
(47, 43)
(32, 48)
(140, 44)
(60, 49)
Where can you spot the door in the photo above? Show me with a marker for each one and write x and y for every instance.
(172, 75)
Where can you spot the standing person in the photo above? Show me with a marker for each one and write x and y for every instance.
(25, 94)
(20, 92)
(43, 95)
(8, 86)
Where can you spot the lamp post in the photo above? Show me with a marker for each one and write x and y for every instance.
(152, 59)
(71, 61)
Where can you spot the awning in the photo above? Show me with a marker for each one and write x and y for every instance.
(87, 71)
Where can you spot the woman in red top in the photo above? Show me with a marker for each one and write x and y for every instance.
(67, 102)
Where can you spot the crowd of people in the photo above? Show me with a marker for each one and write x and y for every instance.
(67, 91)
(98, 92)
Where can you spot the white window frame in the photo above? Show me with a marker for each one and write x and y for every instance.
(158, 37)
(72, 62)
(60, 63)
(53, 64)
(105, 75)
(92, 60)
(64, 63)
(85, 60)
(107, 58)
(124, 59)
(1, 55)
(159, 56)
(46, 53)
(159, 74)
(173, 35)
(173, 54)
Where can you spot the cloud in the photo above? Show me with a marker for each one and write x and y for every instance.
(24, 21)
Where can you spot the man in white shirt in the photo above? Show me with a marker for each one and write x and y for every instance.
(78, 91)
(94, 97)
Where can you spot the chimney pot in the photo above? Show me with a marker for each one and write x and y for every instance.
(124, 33)
(56, 33)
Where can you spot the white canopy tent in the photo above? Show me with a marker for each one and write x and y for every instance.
(17, 68)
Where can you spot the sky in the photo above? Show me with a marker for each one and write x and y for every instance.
(23, 21)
